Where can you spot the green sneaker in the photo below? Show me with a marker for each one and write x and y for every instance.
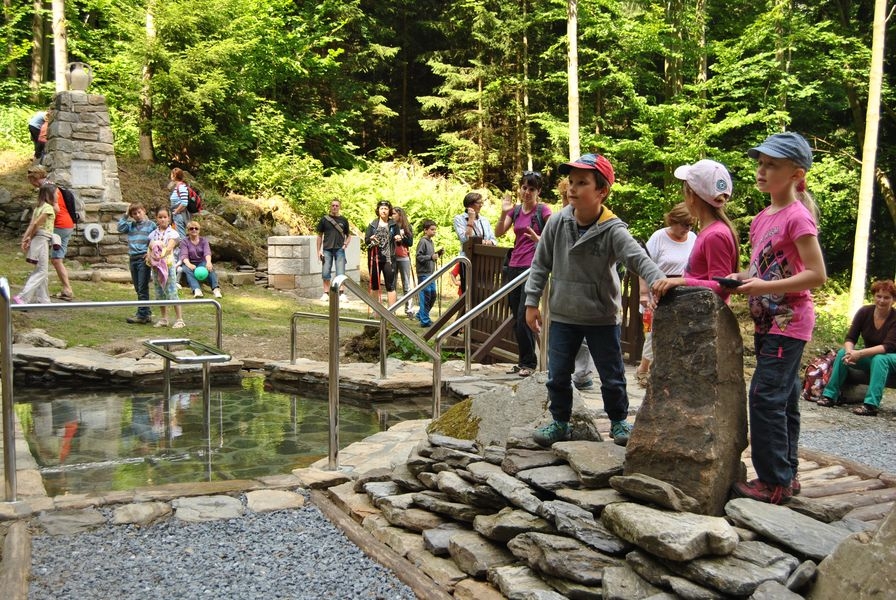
(619, 431)
(556, 431)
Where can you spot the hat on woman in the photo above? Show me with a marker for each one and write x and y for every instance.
(708, 179)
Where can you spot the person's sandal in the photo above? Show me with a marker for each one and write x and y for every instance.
(179, 324)
(514, 370)
(825, 401)
(161, 323)
(866, 410)
(525, 372)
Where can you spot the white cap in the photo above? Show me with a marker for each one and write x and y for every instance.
(708, 179)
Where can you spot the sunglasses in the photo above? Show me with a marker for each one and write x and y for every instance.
(192, 229)
(535, 174)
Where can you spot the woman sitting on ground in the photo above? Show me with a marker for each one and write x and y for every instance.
(876, 325)
(195, 251)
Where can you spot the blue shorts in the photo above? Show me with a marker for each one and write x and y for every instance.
(64, 235)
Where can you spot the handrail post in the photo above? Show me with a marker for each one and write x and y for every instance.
(333, 409)
(9, 431)
(468, 304)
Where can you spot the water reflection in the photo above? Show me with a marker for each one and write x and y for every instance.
(92, 442)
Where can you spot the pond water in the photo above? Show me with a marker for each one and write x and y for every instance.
(103, 441)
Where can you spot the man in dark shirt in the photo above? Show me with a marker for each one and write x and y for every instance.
(333, 237)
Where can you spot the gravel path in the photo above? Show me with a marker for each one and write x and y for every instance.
(285, 554)
(835, 430)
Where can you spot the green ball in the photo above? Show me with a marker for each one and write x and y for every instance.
(200, 273)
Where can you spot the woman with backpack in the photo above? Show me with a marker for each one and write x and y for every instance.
(527, 220)
(180, 196)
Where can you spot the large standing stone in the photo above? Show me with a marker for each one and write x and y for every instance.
(692, 425)
(861, 567)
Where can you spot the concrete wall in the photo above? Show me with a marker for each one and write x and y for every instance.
(293, 264)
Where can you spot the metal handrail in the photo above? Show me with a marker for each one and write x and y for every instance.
(464, 321)
(6, 377)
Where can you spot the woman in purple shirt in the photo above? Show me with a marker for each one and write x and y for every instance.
(195, 252)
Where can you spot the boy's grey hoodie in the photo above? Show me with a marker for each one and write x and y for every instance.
(584, 281)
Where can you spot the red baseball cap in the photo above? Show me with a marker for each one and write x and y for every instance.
(593, 162)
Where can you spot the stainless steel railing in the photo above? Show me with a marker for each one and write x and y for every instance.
(6, 377)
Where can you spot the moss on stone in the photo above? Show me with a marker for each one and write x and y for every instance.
(457, 422)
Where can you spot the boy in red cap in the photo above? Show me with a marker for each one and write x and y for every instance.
(579, 248)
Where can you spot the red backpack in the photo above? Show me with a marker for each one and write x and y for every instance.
(817, 375)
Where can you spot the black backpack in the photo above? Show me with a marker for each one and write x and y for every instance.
(194, 200)
(74, 206)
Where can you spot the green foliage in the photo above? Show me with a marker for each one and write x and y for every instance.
(14, 133)
(403, 348)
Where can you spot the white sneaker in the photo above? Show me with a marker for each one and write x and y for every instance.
(197, 293)
(325, 298)
(343, 298)
(216, 292)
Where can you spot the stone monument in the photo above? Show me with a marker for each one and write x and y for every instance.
(692, 426)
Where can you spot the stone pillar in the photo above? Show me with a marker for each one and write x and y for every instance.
(293, 264)
(692, 426)
(80, 150)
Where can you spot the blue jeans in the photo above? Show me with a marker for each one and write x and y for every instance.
(426, 299)
(774, 408)
(211, 280)
(140, 275)
(525, 338)
(336, 255)
(564, 341)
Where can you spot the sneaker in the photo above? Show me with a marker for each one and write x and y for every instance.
(325, 298)
(343, 297)
(216, 292)
(588, 384)
(795, 486)
(620, 432)
(555, 431)
(197, 293)
(137, 319)
(762, 492)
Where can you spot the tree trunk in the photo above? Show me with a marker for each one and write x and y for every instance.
(572, 76)
(147, 152)
(526, 142)
(782, 52)
(869, 154)
(60, 48)
(37, 50)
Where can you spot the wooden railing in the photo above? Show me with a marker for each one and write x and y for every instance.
(492, 335)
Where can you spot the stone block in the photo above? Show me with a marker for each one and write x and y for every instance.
(242, 278)
(285, 266)
(282, 282)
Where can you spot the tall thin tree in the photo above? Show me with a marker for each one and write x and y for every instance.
(146, 147)
(572, 76)
(60, 47)
(869, 154)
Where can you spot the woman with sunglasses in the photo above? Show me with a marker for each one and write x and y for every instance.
(195, 251)
(381, 236)
(527, 220)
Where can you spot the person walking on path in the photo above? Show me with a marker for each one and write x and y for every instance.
(876, 325)
(35, 124)
(785, 264)
(579, 249)
(180, 196)
(63, 226)
(427, 256)
(138, 227)
(195, 251)
(333, 237)
(381, 236)
(160, 257)
(35, 243)
(403, 257)
(527, 219)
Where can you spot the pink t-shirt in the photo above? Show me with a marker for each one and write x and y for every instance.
(775, 256)
(714, 255)
(523, 247)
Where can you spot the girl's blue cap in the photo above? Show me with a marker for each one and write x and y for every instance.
(785, 145)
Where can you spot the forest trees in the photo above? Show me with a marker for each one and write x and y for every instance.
(270, 96)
